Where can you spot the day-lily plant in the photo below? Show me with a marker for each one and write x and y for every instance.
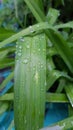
(37, 57)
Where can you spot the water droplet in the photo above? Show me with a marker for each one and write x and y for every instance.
(28, 46)
(41, 66)
(45, 83)
(17, 60)
(58, 14)
(36, 76)
(16, 42)
(20, 47)
(25, 121)
(19, 54)
(39, 49)
(38, 25)
(25, 61)
(20, 50)
(31, 29)
(22, 39)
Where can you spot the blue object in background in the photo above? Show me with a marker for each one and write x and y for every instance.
(5, 120)
(55, 113)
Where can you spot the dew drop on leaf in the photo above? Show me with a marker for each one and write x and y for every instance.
(19, 54)
(31, 29)
(25, 61)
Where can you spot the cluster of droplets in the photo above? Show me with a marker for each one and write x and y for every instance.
(19, 48)
(25, 61)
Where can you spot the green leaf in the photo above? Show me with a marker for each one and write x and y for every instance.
(56, 98)
(5, 33)
(65, 25)
(7, 79)
(7, 97)
(30, 77)
(61, 85)
(62, 48)
(69, 92)
(52, 16)
(3, 107)
(54, 75)
(6, 62)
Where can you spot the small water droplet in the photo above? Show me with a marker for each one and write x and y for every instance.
(39, 49)
(44, 50)
(20, 50)
(25, 121)
(58, 14)
(17, 60)
(25, 61)
(38, 25)
(20, 47)
(31, 29)
(19, 54)
(28, 46)
(41, 66)
(45, 83)
(22, 39)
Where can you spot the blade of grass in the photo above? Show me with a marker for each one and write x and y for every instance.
(25, 32)
(3, 107)
(55, 37)
(54, 75)
(65, 25)
(56, 98)
(52, 16)
(7, 79)
(7, 97)
(61, 85)
(69, 92)
(6, 62)
(5, 33)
